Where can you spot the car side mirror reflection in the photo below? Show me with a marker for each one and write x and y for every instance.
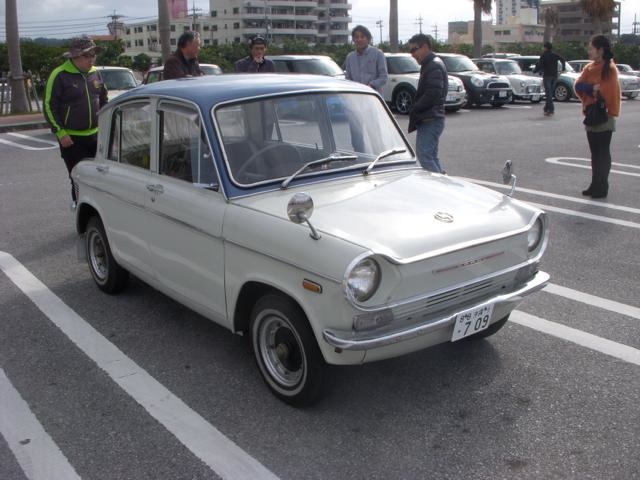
(300, 209)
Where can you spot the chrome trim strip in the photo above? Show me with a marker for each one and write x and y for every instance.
(347, 340)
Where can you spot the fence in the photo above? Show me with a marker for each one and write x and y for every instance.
(33, 101)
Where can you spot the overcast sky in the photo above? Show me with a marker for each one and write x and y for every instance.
(64, 18)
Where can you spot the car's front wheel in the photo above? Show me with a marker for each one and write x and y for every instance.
(562, 92)
(403, 100)
(108, 275)
(286, 350)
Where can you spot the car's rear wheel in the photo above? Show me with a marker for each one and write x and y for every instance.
(562, 92)
(108, 275)
(631, 96)
(286, 350)
(403, 100)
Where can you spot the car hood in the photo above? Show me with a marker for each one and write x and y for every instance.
(517, 77)
(404, 215)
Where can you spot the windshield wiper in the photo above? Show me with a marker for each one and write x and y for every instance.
(322, 161)
(385, 154)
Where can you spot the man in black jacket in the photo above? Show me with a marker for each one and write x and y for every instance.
(548, 65)
(427, 113)
(184, 62)
(74, 94)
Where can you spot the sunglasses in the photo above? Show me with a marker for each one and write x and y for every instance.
(414, 49)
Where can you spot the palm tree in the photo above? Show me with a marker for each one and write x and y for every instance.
(551, 21)
(393, 25)
(19, 102)
(164, 29)
(479, 7)
(599, 11)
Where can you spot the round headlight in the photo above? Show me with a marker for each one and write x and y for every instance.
(363, 280)
(477, 81)
(522, 84)
(534, 235)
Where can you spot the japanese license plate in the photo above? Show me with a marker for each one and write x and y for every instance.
(502, 93)
(471, 321)
(535, 97)
(450, 97)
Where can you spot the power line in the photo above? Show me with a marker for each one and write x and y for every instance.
(379, 24)
(419, 22)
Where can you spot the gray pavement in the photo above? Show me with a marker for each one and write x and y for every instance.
(521, 404)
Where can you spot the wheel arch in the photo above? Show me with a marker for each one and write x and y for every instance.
(402, 86)
(85, 212)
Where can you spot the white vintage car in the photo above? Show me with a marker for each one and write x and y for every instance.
(292, 209)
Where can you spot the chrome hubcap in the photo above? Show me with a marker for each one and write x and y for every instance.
(98, 256)
(281, 351)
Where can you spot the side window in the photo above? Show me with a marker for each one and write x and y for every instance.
(184, 151)
(130, 140)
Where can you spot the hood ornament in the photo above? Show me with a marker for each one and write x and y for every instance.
(443, 217)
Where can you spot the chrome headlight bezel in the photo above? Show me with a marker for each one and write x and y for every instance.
(477, 81)
(362, 279)
(536, 234)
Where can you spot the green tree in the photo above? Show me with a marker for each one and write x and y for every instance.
(141, 62)
(110, 52)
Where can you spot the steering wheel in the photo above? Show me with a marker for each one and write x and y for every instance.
(253, 159)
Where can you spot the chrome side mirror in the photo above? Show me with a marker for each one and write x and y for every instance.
(300, 209)
(509, 177)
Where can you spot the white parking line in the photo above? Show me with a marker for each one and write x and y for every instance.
(567, 198)
(22, 146)
(566, 161)
(584, 339)
(589, 216)
(223, 456)
(36, 453)
(33, 139)
(593, 300)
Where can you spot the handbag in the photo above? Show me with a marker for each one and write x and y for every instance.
(596, 113)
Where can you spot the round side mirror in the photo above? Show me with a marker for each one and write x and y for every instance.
(300, 207)
(507, 171)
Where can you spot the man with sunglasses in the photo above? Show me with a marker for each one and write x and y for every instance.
(74, 94)
(427, 112)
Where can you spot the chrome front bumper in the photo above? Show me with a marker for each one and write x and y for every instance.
(348, 340)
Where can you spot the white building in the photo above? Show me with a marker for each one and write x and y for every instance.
(517, 11)
(236, 21)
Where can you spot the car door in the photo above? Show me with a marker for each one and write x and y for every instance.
(123, 173)
(187, 211)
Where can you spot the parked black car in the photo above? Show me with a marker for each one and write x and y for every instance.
(481, 87)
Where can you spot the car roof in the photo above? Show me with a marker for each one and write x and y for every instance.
(161, 67)
(210, 90)
(296, 57)
(398, 54)
(450, 54)
(109, 67)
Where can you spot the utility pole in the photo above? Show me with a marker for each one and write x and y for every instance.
(393, 25)
(164, 29)
(267, 22)
(635, 24)
(114, 24)
(194, 15)
(19, 102)
(435, 32)
(419, 22)
(379, 24)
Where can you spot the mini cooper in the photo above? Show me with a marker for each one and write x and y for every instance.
(292, 210)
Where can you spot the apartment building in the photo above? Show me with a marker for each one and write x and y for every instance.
(236, 21)
(517, 11)
(574, 25)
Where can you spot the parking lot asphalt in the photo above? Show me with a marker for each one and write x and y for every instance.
(554, 395)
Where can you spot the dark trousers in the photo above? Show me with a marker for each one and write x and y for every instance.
(599, 144)
(83, 147)
(548, 93)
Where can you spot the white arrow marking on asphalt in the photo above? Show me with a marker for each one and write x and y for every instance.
(566, 161)
(33, 139)
(223, 456)
(38, 455)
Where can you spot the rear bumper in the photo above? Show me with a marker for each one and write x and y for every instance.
(348, 340)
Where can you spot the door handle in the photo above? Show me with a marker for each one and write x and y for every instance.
(102, 168)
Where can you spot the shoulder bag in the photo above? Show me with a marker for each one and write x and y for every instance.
(596, 113)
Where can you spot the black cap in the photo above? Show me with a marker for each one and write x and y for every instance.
(258, 40)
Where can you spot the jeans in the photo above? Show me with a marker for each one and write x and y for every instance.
(427, 139)
(548, 93)
(599, 143)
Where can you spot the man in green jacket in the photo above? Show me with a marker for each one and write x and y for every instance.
(75, 92)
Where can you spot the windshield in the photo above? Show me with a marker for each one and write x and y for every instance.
(568, 68)
(268, 140)
(118, 79)
(459, 64)
(397, 65)
(508, 68)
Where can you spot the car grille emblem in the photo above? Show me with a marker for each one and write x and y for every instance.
(443, 217)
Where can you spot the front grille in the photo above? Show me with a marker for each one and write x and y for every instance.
(533, 88)
(497, 85)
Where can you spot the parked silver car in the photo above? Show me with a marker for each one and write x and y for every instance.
(629, 84)
(525, 87)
